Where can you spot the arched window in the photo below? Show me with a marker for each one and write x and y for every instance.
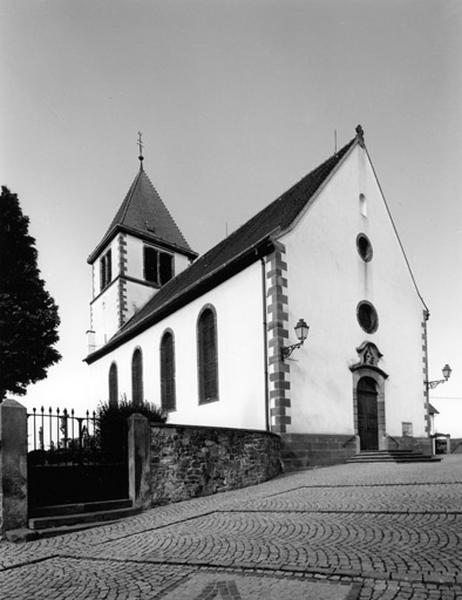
(167, 371)
(137, 377)
(113, 385)
(207, 355)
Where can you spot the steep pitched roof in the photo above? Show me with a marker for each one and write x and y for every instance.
(242, 247)
(143, 213)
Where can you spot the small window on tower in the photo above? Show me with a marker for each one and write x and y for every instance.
(158, 266)
(165, 267)
(105, 269)
(151, 264)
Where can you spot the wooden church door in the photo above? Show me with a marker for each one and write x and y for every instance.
(367, 414)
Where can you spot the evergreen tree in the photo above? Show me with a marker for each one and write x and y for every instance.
(28, 314)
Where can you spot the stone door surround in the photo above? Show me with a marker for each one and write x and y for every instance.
(369, 356)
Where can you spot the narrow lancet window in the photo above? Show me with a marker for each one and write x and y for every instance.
(207, 356)
(113, 385)
(167, 372)
(137, 377)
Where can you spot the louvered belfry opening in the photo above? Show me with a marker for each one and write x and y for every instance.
(113, 385)
(207, 356)
(137, 377)
(167, 371)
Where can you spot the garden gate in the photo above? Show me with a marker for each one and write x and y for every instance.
(69, 461)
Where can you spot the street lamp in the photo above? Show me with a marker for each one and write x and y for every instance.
(301, 331)
(446, 374)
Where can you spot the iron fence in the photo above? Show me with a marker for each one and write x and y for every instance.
(61, 436)
(67, 460)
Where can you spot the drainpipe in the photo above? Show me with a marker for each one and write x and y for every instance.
(265, 341)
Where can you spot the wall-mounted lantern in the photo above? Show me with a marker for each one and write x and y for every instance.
(446, 374)
(301, 331)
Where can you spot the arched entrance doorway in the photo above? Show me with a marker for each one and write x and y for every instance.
(367, 414)
(369, 399)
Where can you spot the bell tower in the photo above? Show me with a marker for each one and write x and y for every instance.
(140, 252)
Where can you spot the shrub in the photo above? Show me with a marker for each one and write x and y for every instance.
(112, 426)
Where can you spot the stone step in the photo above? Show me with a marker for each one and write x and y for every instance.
(296, 463)
(80, 507)
(28, 535)
(66, 520)
(397, 456)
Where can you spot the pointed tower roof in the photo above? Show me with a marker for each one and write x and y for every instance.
(144, 215)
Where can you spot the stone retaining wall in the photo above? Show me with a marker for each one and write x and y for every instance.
(188, 461)
(419, 444)
(456, 446)
(301, 450)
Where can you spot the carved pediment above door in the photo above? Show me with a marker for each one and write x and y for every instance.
(369, 357)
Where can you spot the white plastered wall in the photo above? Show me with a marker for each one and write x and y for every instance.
(104, 308)
(138, 293)
(326, 280)
(241, 384)
(114, 247)
(137, 296)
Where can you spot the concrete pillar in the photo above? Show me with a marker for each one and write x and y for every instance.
(139, 460)
(13, 465)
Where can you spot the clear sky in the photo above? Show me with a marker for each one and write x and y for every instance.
(236, 100)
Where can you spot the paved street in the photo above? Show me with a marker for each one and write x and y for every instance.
(373, 531)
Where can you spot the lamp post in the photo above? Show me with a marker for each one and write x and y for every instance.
(431, 385)
(301, 331)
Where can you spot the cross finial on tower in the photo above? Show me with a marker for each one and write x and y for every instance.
(360, 135)
(140, 149)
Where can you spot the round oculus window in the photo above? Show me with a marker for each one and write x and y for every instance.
(364, 247)
(367, 316)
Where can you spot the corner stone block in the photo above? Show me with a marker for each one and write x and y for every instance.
(13, 465)
(139, 460)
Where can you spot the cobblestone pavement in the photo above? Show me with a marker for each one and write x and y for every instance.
(366, 532)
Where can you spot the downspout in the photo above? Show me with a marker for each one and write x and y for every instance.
(265, 341)
(426, 316)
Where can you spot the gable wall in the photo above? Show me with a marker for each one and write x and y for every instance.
(239, 309)
(326, 280)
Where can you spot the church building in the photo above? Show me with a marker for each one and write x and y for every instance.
(306, 321)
